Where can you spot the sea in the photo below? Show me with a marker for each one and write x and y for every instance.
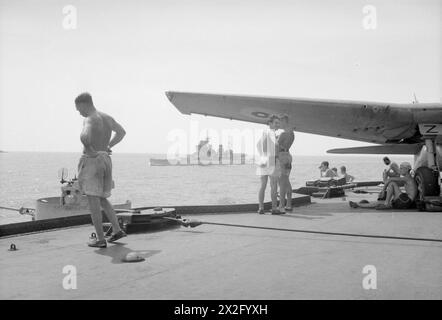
(28, 176)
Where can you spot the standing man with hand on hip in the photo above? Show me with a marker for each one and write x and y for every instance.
(95, 166)
(285, 141)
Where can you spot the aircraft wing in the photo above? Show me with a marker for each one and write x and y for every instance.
(381, 149)
(363, 121)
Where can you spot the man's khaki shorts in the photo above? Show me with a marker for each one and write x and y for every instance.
(95, 175)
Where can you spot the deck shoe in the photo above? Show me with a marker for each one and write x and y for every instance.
(353, 204)
(95, 243)
(276, 211)
(114, 237)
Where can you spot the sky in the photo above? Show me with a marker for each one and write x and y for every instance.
(128, 53)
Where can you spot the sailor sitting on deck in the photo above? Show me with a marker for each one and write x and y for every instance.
(395, 198)
(348, 177)
(268, 164)
(325, 171)
(392, 171)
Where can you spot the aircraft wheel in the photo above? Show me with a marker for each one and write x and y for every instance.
(427, 182)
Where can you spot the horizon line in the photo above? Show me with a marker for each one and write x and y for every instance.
(250, 155)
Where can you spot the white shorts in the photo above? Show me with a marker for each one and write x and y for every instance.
(267, 167)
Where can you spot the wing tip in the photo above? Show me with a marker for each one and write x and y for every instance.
(181, 108)
(169, 95)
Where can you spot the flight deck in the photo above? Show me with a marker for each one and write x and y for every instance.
(253, 263)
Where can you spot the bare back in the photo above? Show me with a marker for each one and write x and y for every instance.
(286, 139)
(97, 132)
(410, 186)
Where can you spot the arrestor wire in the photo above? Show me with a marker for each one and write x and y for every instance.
(8, 208)
(192, 223)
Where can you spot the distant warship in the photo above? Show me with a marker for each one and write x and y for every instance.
(204, 155)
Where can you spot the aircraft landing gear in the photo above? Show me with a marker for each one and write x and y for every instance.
(428, 179)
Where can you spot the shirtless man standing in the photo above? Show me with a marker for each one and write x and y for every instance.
(95, 166)
(285, 141)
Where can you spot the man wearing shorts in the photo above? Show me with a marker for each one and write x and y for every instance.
(95, 166)
(268, 165)
(395, 198)
(285, 141)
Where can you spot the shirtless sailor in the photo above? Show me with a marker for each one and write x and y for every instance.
(392, 171)
(95, 166)
(285, 141)
(395, 197)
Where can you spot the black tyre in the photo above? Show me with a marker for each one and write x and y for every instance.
(427, 182)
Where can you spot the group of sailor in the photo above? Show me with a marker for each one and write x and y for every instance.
(275, 163)
(391, 195)
(326, 172)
